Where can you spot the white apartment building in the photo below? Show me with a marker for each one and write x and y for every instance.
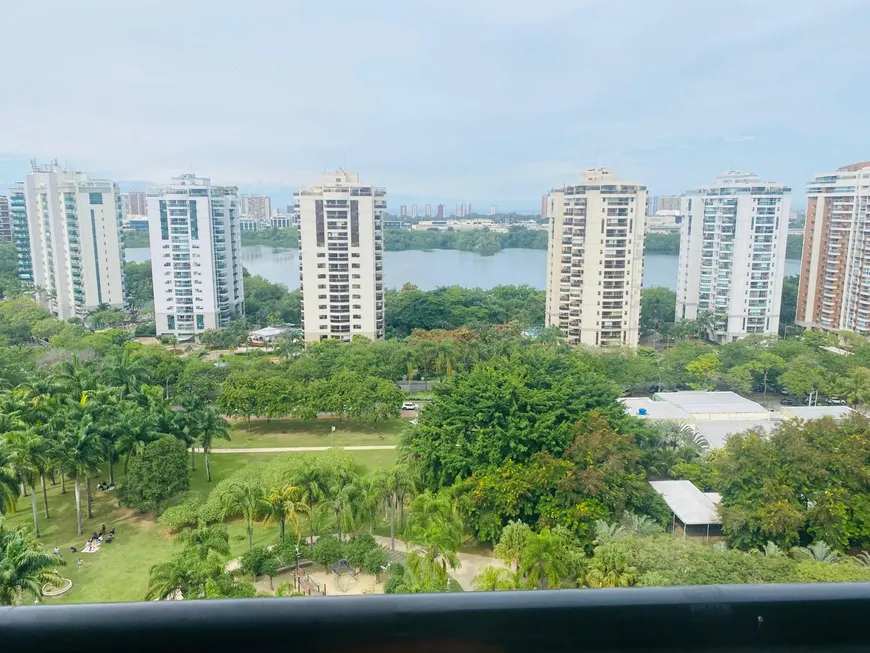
(67, 230)
(195, 256)
(834, 290)
(732, 255)
(5, 220)
(341, 257)
(595, 259)
(257, 208)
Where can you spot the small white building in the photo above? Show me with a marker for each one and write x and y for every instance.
(807, 413)
(704, 405)
(266, 336)
(695, 514)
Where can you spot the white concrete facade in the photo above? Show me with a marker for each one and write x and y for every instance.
(834, 290)
(595, 259)
(195, 256)
(256, 207)
(68, 236)
(732, 255)
(341, 257)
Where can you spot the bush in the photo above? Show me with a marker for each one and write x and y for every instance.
(327, 551)
(184, 515)
(374, 560)
(356, 550)
(259, 561)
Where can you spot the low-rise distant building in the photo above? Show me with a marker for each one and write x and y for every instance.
(459, 225)
(266, 336)
(248, 224)
(663, 222)
(283, 221)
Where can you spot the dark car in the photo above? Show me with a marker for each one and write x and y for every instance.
(788, 402)
(654, 388)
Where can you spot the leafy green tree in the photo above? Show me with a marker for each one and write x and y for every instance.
(259, 561)
(495, 579)
(767, 364)
(357, 547)
(803, 376)
(156, 476)
(703, 372)
(544, 563)
(658, 305)
(25, 567)
(374, 561)
(434, 526)
(513, 541)
(327, 551)
(204, 540)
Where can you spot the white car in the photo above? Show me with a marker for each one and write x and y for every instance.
(409, 405)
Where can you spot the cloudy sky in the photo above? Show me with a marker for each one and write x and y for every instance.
(438, 100)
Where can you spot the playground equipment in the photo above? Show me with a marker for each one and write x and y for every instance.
(342, 573)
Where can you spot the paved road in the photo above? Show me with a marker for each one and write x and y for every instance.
(372, 447)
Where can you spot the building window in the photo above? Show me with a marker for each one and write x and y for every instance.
(194, 224)
(321, 265)
(354, 265)
(321, 297)
(322, 307)
(355, 254)
(170, 321)
(354, 223)
(318, 222)
(357, 306)
(355, 276)
(355, 286)
(95, 198)
(164, 221)
(200, 322)
(357, 297)
(357, 327)
(321, 254)
(321, 276)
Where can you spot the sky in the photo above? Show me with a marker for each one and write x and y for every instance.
(438, 100)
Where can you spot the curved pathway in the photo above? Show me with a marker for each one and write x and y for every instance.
(371, 447)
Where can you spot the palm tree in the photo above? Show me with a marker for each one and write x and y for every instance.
(175, 578)
(205, 539)
(605, 532)
(24, 448)
(545, 562)
(82, 453)
(817, 552)
(283, 505)
(771, 550)
(639, 525)
(24, 566)
(245, 499)
(125, 372)
(8, 484)
(495, 579)
(398, 480)
(863, 559)
(373, 490)
(343, 495)
(435, 527)
(311, 483)
(512, 543)
(445, 357)
(610, 569)
(74, 377)
(209, 426)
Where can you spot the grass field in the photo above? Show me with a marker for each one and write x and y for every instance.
(311, 433)
(119, 571)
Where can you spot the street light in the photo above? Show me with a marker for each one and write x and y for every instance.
(423, 379)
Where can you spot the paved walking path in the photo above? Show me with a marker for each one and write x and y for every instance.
(371, 447)
(469, 563)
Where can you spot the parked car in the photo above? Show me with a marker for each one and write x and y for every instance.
(409, 405)
(788, 402)
(654, 388)
(836, 401)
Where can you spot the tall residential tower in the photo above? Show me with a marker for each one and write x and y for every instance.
(834, 288)
(341, 250)
(732, 255)
(195, 256)
(595, 259)
(67, 230)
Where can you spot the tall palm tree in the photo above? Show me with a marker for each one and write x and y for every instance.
(373, 490)
(244, 499)
(209, 426)
(82, 451)
(312, 485)
(24, 566)
(545, 561)
(8, 484)
(126, 372)
(24, 448)
(398, 480)
(435, 527)
(283, 504)
(343, 496)
(74, 377)
(206, 539)
(609, 568)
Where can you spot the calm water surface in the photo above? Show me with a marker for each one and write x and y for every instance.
(445, 267)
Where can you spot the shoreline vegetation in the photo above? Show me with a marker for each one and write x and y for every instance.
(480, 241)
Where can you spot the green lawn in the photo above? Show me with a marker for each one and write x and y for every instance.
(312, 433)
(119, 571)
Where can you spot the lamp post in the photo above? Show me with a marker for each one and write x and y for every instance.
(425, 387)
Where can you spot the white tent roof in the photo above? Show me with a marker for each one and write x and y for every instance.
(267, 332)
(817, 412)
(688, 503)
(699, 401)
